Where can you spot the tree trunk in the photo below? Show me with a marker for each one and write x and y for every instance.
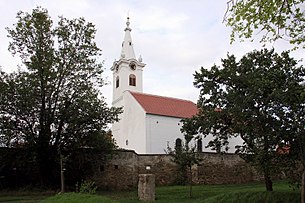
(303, 187)
(44, 168)
(191, 182)
(268, 182)
(45, 158)
(62, 179)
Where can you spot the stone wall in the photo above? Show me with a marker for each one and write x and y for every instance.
(121, 173)
(223, 169)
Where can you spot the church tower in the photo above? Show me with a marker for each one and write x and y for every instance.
(127, 71)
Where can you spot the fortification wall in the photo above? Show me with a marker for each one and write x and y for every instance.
(122, 171)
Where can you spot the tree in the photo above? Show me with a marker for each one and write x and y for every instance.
(295, 131)
(185, 157)
(250, 98)
(53, 104)
(279, 19)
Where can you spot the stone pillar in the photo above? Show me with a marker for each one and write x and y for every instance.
(146, 187)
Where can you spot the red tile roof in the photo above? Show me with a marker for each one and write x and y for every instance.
(166, 106)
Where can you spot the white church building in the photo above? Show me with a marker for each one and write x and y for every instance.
(149, 123)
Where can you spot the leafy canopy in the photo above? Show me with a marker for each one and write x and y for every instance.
(54, 101)
(275, 19)
(251, 99)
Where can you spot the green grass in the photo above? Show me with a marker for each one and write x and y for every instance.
(254, 197)
(24, 196)
(246, 193)
(77, 198)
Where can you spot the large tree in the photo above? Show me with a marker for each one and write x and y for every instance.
(251, 98)
(53, 102)
(274, 19)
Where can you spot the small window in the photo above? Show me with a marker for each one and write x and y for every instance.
(126, 142)
(132, 80)
(116, 166)
(117, 82)
(129, 43)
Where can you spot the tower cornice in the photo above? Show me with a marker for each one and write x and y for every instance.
(126, 61)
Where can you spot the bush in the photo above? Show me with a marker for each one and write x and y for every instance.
(87, 187)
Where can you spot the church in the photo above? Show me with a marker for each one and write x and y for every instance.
(149, 123)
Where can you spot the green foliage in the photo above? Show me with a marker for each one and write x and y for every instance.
(18, 168)
(256, 99)
(275, 19)
(185, 156)
(87, 187)
(53, 102)
(81, 164)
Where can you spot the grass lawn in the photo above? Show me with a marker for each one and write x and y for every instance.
(254, 192)
(24, 196)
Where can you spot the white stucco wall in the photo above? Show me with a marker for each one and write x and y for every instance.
(232, 143)
(160, 131)
(150, 134)
(117, 126)
(131, 127)
(134, 125)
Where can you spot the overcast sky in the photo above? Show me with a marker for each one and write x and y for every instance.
(174, 37)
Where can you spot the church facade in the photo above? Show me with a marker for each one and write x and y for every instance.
(149, 123)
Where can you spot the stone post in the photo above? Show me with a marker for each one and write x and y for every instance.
(146, 187)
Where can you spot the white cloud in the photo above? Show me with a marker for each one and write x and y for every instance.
(174, 37)
(160, 21)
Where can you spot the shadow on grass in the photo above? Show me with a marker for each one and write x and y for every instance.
(24, 196)
(248, 193)
(256, 197)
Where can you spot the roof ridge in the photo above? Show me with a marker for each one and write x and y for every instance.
(186, 100)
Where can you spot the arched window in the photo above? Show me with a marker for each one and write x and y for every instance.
(132, 80)
(117, 82)
(178, 144)
(199, 145)
(218, 147)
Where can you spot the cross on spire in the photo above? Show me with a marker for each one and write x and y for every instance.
(127, 23)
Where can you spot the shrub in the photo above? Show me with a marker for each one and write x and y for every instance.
(87, 187)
